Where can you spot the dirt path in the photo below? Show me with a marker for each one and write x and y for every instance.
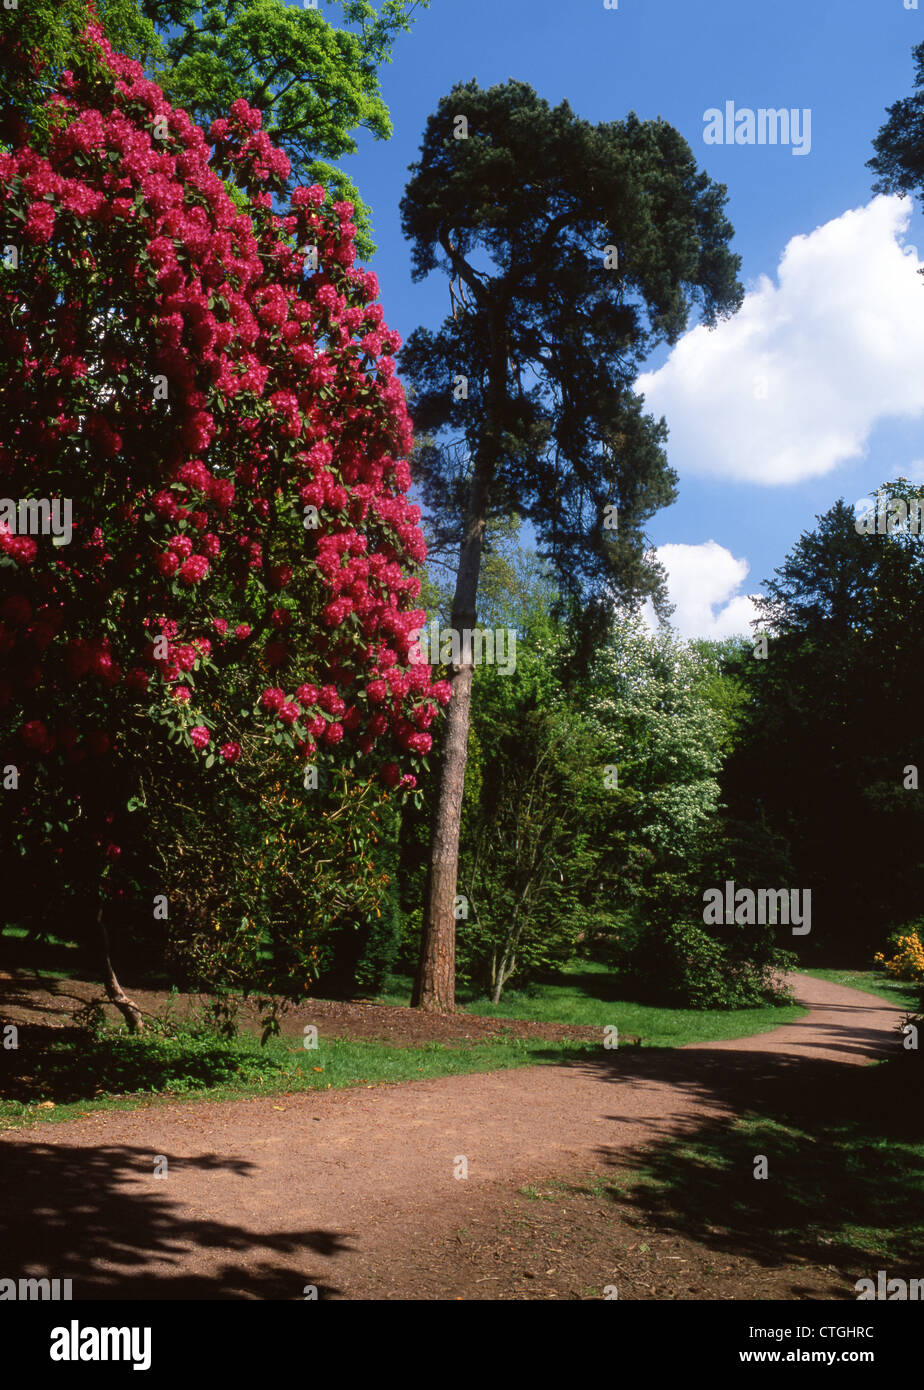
(351, 1191)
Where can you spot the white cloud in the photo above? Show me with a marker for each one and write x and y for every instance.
(703, 584)
(793, 384)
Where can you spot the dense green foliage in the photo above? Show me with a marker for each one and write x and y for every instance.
(832, 727)
(592, 817)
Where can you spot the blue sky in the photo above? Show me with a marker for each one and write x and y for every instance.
(816, 390)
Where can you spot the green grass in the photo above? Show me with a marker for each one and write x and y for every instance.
(900, 992)
(845, 1185)
(589, 994)
(116, 1071)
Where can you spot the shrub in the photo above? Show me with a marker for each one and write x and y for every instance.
(907, 962)
(681, 964)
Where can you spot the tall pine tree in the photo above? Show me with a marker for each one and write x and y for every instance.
(572, 250)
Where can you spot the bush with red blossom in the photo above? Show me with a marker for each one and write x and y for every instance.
(220, 408)
(175, 367)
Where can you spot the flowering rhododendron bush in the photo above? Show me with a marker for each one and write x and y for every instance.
(209, 384)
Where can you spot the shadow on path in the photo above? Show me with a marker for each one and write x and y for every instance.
(90, 1214)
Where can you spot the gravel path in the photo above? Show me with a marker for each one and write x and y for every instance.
(342, 1190)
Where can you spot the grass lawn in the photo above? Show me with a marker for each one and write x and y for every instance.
(116, 1071)
(845, 1184)
(54, 956)
(589, 994)
(844, 1191)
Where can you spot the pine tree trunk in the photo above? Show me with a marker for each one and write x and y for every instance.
(117, 996)
(434, 988)
(435, 985)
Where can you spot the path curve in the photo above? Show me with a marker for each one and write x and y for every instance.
(265, 1196)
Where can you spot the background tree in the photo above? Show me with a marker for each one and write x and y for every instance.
(832, 725)
(899, 146)
(524, 834)
(572, 250)
(314, 83)
(649, 709)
